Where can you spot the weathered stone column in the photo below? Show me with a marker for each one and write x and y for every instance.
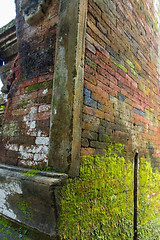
(65, 131)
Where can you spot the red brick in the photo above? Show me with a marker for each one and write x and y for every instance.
(44, 78)
(28, 82)
(87, 151)
(43, 115)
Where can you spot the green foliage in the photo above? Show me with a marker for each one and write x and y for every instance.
(99, 204)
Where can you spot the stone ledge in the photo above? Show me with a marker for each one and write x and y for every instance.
(7, 26)
(31, 200)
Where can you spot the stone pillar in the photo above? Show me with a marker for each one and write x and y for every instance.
(67, 100)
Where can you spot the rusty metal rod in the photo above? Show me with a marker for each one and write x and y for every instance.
(135, 193)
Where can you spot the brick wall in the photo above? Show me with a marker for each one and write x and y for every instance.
(27, 116)
(121, 89)
(8, 52)
(121, 81)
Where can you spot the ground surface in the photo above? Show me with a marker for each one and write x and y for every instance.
(13, 231)
(7, 233)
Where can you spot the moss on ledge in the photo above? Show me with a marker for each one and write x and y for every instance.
(7, 26)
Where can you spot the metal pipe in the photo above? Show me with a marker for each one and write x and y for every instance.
(135, 194)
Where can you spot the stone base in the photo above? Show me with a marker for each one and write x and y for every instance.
(31, 197)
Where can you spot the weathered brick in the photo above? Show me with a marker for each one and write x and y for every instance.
(85, 142)
(90, 102)
(90, 135)
(103, 137)
(87, 151)
(98, 145)
(90, 47)
(121, 78)
(31, 88)
(90, 123)
(125, 82)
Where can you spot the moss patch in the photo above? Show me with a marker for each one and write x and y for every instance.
(122, 67)
(38, 86)
(129, 63)
(134, 72)
(30, 173)
(99, 203)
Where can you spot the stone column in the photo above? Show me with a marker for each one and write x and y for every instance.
(67, 100)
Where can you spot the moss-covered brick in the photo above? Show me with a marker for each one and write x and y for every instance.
(142, 87)
(38, 86)
(122, 67)
(98, 145)
(26, 208)
(149, 115)
(130, 63)
(103, 137)
(90, 135)
(90, 63)
(156, 122)
(134, 72)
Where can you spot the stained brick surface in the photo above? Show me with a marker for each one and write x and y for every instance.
(27, 116)
(121, 89)
(121, 82)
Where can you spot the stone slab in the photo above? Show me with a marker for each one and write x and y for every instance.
(31, 198)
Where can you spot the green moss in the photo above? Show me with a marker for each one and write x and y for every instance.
(157, 26)
(122, 67)
(134, 72)
(42, 168)
(156, 122)
(99, 204)
(130, 63)
(142, 87)
(4, 221)
(35, 171)
(26, 208)
(30, 173)
(149, 115)
(38, 86)
(9, 228)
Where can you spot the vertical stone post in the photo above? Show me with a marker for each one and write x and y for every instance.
(67, 100)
